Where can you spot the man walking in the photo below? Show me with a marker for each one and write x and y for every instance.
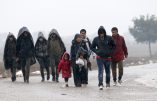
(103, 45)
(118, 56)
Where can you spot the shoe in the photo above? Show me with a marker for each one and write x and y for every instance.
(100, 84)
(42, 80)
(67, 85)
(13, 79)
(101, 87)
(114, 83)
(27, 81)
(48, 77)
(120, 81)
(78, 85)
(107, 85)
(53, 78)
(57, 80)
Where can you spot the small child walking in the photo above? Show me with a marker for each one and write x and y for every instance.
(81, 62)
(65, 67)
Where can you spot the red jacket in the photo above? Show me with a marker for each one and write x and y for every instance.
(65, 67)
(121, 49)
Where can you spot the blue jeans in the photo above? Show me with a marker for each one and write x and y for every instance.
(101, 65)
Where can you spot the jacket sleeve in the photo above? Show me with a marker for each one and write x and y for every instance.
(113, 45)
(18, 47)
(93, 45)
(72, 53)
(125, 50)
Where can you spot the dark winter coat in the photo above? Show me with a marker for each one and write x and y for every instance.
(25, 46)
(56, 47)
(103, 48)
(121, 49)
(76, 48)
(10, 52)
(65, 67)
(41, 47)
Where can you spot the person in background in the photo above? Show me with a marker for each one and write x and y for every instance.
(25, 52)
(65, 67)
(41, 53)
(56, 49)
(9, 57)
(88, 44)
(118, 56)
(103, 45)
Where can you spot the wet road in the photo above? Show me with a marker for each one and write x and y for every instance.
(51, 91)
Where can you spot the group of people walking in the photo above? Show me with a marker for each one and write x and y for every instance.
(20, 53)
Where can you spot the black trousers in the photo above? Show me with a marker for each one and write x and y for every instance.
(66, 79)
(25, 64)
(44, 63)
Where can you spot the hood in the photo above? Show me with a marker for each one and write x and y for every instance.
(21, 32)
(54, 31)
(41, 35)
(10, 35)
(64, 55)
(101, 30)
(75, 37)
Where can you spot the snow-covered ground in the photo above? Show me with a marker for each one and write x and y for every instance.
(139, 84)
(147, 74)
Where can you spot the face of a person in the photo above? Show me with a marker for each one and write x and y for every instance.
(53, 36)
(114, 32)
(41, 39)
(25, 34)
(11, 39)
(79, 39)
(66, 57)
(83, 35)
(101, 35)
(81, 56)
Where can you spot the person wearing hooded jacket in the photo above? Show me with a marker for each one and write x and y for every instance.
(65, 67)
(56, 49)
(25, 52)
(103, 45)
(76, 47)
(9, 57)
(41, 53)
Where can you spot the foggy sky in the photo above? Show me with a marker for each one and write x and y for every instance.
(69, 16)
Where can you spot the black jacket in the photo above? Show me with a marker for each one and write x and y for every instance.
(103, 48)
